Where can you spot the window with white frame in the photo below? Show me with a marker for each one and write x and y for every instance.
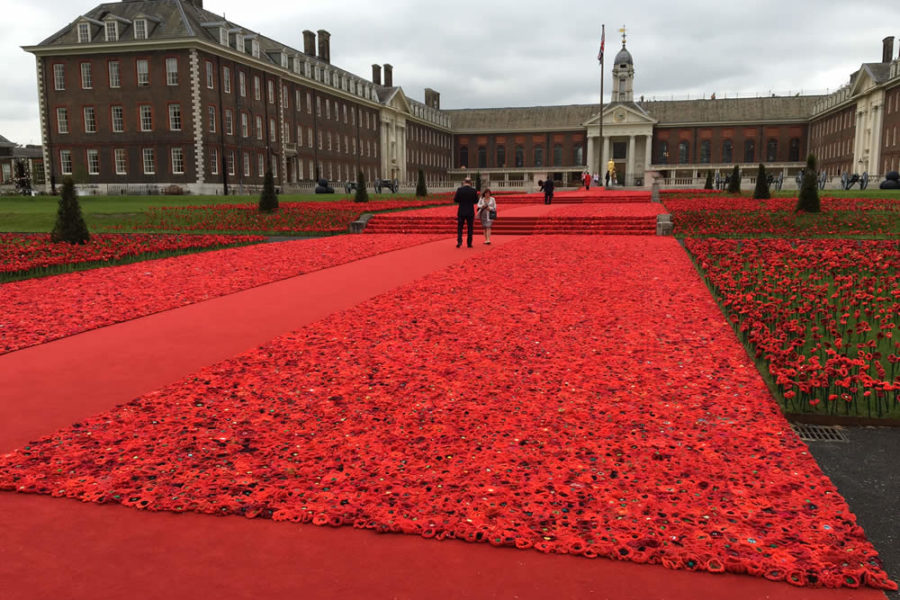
(149, 161)
(275, 169)
(270, 91)
(223, 36)
(209, 75)
(239, 42)
(121, 161)
(59, 77)
(213, 161)
(246, 164)
(112, 31)
(298, 100)
(174, 117)
(308, 103)
(242, 84)
(229, 122)
(261, 165)
(345, 113)
(256, 90)
(115, 77)
(62, 120)
(309, 137)
(327, 109)
(285, 99)
(146, 112)
(273, 134)
(226, 79)
(84, 33)
(171, 71)
(299, 135)
(143, 72)
(231, 163)
(65, 162)
(117, 118)
(312, 169)
(140, 29)
(211, 118)
(87, 80)
(90, 120)
(259, 127)
(93, 162)
(329, 141)
(254, 48)
(245, 125)
(178, 161)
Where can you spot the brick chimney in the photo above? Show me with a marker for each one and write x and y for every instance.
(432, 99)
(388, 75)
(887, 49)
(309, 43)
(376, 74)
(324, 46)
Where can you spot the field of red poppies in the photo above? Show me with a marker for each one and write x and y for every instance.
(40, 310)
(823, 315)
(291, 217)
(33, 254)
(631, 427)
(729, 216)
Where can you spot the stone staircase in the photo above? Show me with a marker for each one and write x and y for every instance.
(512, 225)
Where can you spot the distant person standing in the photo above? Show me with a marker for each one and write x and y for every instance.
(586, 178)
(487, 212)
(547, 186)
(467, 198)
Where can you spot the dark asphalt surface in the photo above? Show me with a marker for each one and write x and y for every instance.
(865, 473)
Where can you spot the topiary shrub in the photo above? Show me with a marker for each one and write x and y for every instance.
(421, 188)
(70, 226)
(268, 200)
(761, 192)
(361, 194)
(709, 182)
(808, 200)
(734, 184)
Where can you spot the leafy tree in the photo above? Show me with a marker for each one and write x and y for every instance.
(708, 184)
(808, 200)
(421, 188)
(70, 226)
(734, 185)
(761, 192)
(361, 194)
(268, 200)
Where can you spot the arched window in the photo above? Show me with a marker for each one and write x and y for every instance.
(772, 151)
(501, 156)
(727, 151)
(663, 149)
(539, 156)
(520, 156)
(464, 156)
(794, 150)
(749, 151)
(579, 154)
(704, 151)
(557, 155)
(683, 152)
(482, 157)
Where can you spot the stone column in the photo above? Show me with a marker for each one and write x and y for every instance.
(590, 152)
(648, 153)
(630, 162)
(604, 159)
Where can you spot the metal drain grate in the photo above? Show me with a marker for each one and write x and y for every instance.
(819, 433)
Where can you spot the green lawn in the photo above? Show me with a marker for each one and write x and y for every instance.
(21, 214)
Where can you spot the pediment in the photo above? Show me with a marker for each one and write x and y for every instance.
(864, 81)
(397, 100)
(621, 114)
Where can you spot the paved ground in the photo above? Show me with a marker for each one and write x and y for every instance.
(864, 471)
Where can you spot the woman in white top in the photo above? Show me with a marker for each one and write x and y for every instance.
(487, 210)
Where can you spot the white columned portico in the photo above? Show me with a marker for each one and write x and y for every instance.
(648, 156)
(629, 163)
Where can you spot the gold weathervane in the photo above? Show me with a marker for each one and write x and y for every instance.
(622, 31)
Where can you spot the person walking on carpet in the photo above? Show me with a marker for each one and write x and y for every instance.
(487, 211)
(467, 198)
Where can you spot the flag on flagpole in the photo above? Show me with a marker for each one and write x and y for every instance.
(602, 44)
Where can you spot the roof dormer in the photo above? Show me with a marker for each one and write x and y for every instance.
(85, 28)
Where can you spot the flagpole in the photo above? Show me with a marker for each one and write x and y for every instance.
(600, 171)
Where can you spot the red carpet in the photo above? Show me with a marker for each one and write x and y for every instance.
(463, 581)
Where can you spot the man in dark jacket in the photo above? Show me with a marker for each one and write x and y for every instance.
(547, 186)
(467, 198)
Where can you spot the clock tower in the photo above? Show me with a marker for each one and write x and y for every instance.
(623, 74)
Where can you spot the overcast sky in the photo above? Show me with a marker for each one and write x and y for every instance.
(494, 53)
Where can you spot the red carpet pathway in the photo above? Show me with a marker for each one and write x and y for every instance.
(55, 548)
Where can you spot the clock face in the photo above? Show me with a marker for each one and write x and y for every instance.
(619, 116)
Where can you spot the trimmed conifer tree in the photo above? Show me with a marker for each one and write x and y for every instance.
(708, 184)
(734, 185)
(361, 194)
(421, 188)
(70, 226)
(268, 200)
(478, 181)
(808, 200)
(761, 192)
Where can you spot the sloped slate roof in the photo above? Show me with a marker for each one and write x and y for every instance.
(5, 142)
(515, 118)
